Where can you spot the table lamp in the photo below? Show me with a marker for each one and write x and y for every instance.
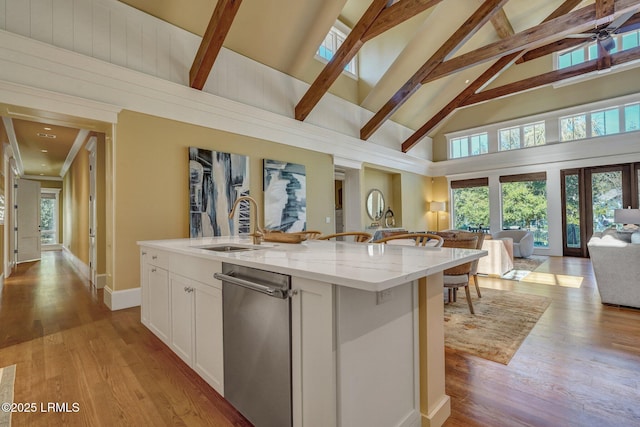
(630, 218)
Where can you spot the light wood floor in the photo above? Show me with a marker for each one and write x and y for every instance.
(68, 347)
(580, 366)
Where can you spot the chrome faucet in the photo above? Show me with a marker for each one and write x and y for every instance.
(258, 233)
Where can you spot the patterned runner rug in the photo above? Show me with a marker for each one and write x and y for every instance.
(502, 321)
(7, 377)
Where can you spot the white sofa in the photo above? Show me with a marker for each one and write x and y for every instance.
(616, 264)
(522, 241)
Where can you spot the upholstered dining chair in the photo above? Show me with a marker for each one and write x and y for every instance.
(419, 239)
(358, 236)
(458, 277)
(474, 268)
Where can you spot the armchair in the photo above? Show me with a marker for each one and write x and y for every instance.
(522, 241)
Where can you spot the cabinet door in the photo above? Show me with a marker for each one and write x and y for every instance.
(158, 295)
(182, 317)
(208, 354)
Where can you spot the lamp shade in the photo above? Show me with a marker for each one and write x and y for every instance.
(437, 206)
(626, 216)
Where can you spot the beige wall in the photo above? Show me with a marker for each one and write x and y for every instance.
(101, 206)
(75, 202)
(383, 181)
(151, 194)
(76, 207)
(440, 193)
(406, 193)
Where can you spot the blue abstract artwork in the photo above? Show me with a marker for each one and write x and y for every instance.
(285, 196)
(216, 180)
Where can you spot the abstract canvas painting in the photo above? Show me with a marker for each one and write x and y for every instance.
(285, 196)
(216, 180)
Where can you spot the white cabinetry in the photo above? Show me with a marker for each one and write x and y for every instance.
(182, 305)
(196, 327)
(155, 292)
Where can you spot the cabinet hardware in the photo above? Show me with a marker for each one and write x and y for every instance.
(144, 253)
(154, 257)
(153, 270)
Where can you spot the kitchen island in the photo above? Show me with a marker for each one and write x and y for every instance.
(367, 332)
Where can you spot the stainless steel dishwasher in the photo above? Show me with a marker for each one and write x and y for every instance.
(257, 344)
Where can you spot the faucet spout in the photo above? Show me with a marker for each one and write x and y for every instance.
(258, 233)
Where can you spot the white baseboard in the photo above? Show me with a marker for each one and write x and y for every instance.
(102, 281)
(77, 263)
(118, 300)
(83, 269)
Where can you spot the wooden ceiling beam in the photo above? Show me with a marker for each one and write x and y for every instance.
(461, 35)
(605, 8)
(378, 18)
(632, 24)
(396, 14)
(502, 25)
(551, 77)
(341, 58)
(486, 77)
(471, 89)
(577, 21)
(219, 25)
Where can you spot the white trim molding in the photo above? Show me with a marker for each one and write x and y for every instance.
(75, 148)
(119, 300)
(332, 128)
(81, 268)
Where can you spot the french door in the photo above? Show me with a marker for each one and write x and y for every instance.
(589, 198)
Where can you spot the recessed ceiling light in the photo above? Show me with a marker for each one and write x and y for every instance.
(43, 164)
(466, 81)
(41, 174)
(47, 128)
(44, 151)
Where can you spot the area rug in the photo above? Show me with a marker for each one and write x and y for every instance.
(7, 377)
(502, 320)
(523, 266)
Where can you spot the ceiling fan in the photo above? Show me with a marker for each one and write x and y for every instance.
(604, 35)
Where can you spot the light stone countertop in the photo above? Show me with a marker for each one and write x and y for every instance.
(370, 267)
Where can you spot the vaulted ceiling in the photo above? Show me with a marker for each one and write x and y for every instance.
(419, 60)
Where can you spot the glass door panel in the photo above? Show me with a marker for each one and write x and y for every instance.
(606, 196)
(572, 211)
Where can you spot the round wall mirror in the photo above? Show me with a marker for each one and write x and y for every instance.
(375, 205)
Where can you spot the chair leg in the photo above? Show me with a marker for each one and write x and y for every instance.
(475, 281)
(466, 290)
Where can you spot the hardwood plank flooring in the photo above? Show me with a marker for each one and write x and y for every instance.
(580, 365)
(68, 347)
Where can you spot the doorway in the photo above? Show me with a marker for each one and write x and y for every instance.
(28, 220)
(589, 198)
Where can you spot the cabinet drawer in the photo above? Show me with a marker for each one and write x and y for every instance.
(156, 257)
(198, 269)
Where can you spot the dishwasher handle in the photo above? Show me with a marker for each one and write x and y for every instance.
(272, 292)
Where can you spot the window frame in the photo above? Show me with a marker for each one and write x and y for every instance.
(339, 30)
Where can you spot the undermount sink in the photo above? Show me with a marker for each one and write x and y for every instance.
(226, 248)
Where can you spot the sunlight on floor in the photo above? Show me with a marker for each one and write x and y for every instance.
(553, 279)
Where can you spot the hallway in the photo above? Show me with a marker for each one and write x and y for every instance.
(69, 347)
